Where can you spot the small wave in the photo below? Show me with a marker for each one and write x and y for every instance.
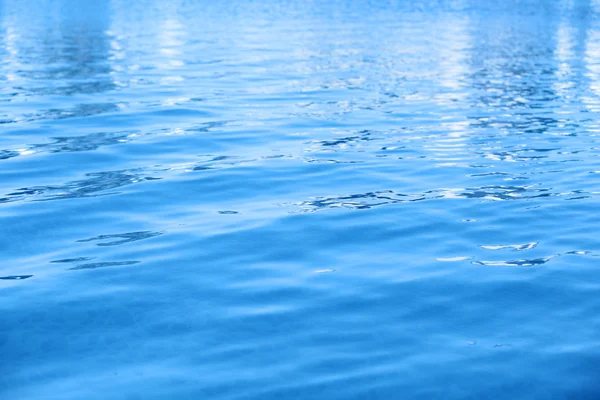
(124, 238)
(103, 265)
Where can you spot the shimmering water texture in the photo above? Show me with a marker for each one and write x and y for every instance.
(299, 199)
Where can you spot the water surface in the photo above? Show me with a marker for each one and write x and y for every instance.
(299, 199)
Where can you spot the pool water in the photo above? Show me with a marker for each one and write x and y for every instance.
(296, 199)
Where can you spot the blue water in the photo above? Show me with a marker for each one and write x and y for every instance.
(293, 199)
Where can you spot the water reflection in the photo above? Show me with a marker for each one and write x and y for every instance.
(64, 54)
(498, 75)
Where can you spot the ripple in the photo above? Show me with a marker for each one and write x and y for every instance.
(72, 144)
(216, 162)
(99, 182)
(81, 110)
(453, 259)
(95, 185)
(6, 154)
(516, 155)
(94, 141)
(328, 161)
(72, 260)
(517, 247)
(342, 143)
(103, 265)
(356, 201)
(124, 238)
(497, 192)
(69, 90)
(490, 174)
(516, 263)
(385, 197)
(15, 277)
(578, 252)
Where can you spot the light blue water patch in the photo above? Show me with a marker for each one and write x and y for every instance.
(299, 199)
